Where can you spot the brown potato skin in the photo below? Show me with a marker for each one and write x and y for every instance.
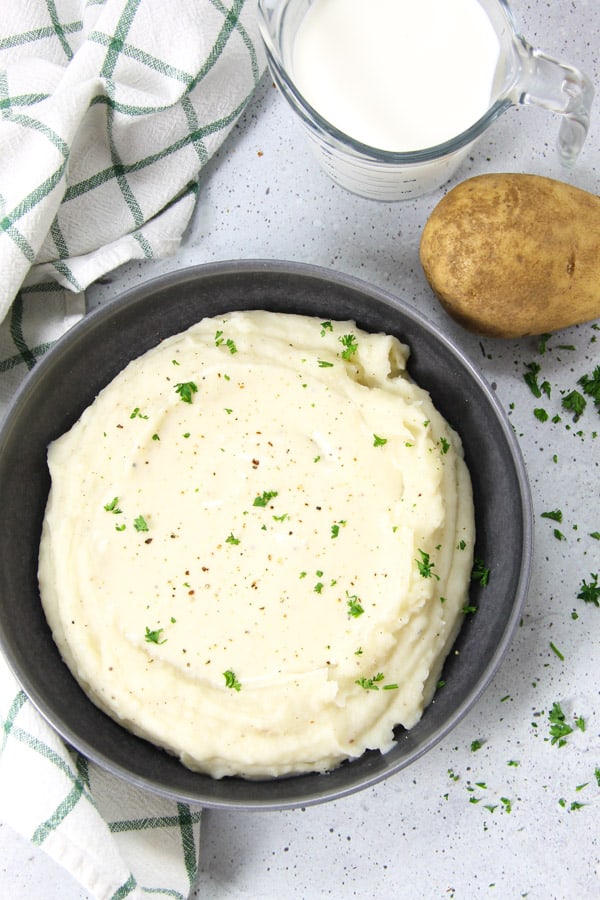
(510, 255)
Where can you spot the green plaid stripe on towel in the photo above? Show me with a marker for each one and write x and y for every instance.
(108, 111)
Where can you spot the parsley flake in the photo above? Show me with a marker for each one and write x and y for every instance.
(554, 514)
(354, 606)
(480, 572)
(591, 385)
(231, 539)
(559, 729)
(379, 441)
(590, 592)
(140, 524)
(154, 636)
(530, 377)
(350, 345)
(186, 390)
(325, 327)
(113, 506)
(136, 414)
(574, 402)
(264, 498)
(335, 528)
(370, 684)
(425, 566)
(231, 681)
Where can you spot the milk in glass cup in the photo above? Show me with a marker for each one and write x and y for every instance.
(394, 93)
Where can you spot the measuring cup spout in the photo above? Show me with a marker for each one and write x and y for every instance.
(561, 88)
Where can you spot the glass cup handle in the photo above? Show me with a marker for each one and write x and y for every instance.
(561, 88)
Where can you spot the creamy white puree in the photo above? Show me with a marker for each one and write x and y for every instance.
(361, 479)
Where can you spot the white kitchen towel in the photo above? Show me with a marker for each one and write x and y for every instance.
(108, 111)
(117, 840)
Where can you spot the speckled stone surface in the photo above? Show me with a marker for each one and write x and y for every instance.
(517, 817)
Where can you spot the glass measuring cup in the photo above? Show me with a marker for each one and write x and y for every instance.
(524, 76)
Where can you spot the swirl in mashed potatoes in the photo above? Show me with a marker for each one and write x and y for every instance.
(258, 545)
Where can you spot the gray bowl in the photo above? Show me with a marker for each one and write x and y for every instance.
(68, 378)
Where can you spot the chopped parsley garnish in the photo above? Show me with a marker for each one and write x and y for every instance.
(229, 343)
(140, 524)
(370, 684)
(264, 498)
(530, 376)
(335, 528)
(231, 539)
(231, 681)
(186, 390)
(544, 338)
(555, 649)
(136, 414)
(379, 441)
(324, 364)
(480, 572)
(444, 444)
(120, 527)
(154, 637)
(574, 402)
(425, 566)
(350, 345)
(325, 327)
(354, 606)
(590, 592)
(113, 506)
(476, 745)
(541, 414)
(554, 514)
(559, 729)
(591, 385)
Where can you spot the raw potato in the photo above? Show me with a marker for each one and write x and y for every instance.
(510, 255)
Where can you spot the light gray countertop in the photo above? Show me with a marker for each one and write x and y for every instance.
(502, 821)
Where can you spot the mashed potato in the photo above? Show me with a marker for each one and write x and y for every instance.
(258, 545)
